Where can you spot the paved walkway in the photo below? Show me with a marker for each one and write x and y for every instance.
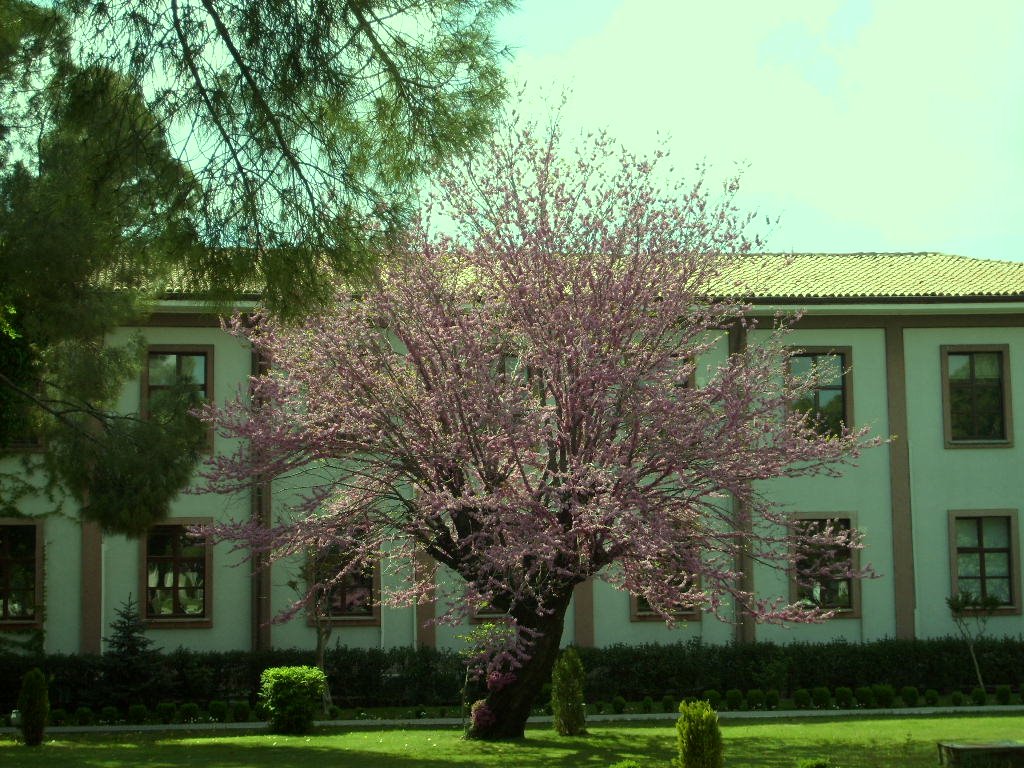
(541, 719)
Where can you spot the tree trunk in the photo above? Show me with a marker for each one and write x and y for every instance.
(509, 707)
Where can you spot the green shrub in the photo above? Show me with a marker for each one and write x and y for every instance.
(801, 698)
(618, 705)
(698, 736)
(240, 712)
(84, 716)
(755, 698)
(567, 704)
(885, 695)
(292, 697)
(668, 703)
(218, 711)
(771, 699)
(601, 706)
(1003, 694)
(865, 696)
(647, 705)
(713, 697)
(822, 697)
(978, 697)
(34, 704)
(957, 698)
(931, 697)
(734, 699)
(138, 714)
(166, 712)
(58, 716)
(910, 695)
(625, 764)
(109, 715)
(189, 712)
(844, 697)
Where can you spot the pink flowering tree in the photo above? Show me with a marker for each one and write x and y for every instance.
(514, 397)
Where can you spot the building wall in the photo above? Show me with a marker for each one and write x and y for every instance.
(940, 479)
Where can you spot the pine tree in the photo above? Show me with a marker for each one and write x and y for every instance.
(132, 668)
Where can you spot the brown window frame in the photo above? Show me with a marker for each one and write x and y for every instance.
(639, 614)
(945, 351)
(360, 620)
(1013, 608)
(795, 589)
(36, 621)
(179, 349)
(177, 621)
(847, 377)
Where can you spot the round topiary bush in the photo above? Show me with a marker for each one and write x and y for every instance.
(1003, 694)
(292, 696)
(34, 705)
(931, 697)
(802, 698)
(822, 697)
(910, 695)
(618, 705)
(957, 698)
(734, 699)
(138, 714)
(844, 697)
(865, 696)
(978, 697)
(755, 698)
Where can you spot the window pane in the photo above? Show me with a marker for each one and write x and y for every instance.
(190, 575)
(191, 602)
(161, 602)
(988, 365)
(971, 587)
(997, 564)
(988, 408)
(163, 369)
(999, 589)
(192, 546)
(831, 410)
(958, 366)
(966, 532)
(996, 532)
(960, 404)
(829, 370)
(801, 365)
(968, 564)
(21, 540)
(160, 542)
(193, 369)
(20, 605)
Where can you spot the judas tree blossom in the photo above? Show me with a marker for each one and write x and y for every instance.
(515, 397)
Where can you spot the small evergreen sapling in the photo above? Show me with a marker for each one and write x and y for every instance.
(132, 672)
(34, 704)
(567, 703)
(698, 736)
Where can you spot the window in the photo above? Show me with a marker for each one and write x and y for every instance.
(976, 395)
(177, 575)
(354, 599)
(640, 610)
(985, 558)
(21, 582)
(828, 400)
(809, 585)
(169, 369)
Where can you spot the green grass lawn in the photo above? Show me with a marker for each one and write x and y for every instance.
(852, 743)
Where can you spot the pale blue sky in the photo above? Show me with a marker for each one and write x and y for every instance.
(894, 125)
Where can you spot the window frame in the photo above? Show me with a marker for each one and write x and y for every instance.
(36, 622)
(177, 622)
(179, 349)
(847, 377)
(373, 620)
(947, 418)
(855, 611)
(1014, 607)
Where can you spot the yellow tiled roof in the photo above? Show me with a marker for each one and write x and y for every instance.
(867, 276)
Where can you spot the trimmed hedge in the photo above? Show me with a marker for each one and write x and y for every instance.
(406, 677)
